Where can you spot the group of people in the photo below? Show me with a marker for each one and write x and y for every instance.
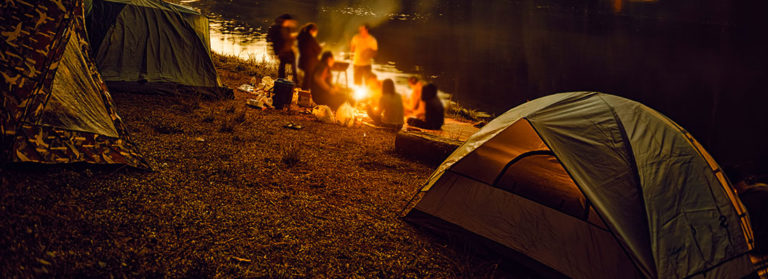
(385, 107)
(388, 109)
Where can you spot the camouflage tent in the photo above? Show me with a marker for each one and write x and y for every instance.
(150, 46)
(55, 107)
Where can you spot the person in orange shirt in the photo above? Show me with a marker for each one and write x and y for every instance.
(414, 106)
(365, 47)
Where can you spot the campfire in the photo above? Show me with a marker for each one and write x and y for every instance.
(360, 93)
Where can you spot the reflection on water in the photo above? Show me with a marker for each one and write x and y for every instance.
(696, 61)
(247, 43)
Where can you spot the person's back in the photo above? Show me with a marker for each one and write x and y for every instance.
(389, 112)
(392, 109)
(434, 113)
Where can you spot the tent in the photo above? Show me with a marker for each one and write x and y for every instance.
(55, 107)
(591, 185)
(150, 46)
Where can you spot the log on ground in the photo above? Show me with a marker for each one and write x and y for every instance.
(424, 147)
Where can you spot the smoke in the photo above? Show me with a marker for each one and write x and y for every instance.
(339, 20)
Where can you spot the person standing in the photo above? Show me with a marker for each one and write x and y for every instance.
(282, 38)
(365, 47)
(309, 51)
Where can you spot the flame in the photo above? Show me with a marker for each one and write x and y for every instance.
(360, 93)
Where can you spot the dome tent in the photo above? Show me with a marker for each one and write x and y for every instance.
(150, 46)
(55, 107)
(591, 185)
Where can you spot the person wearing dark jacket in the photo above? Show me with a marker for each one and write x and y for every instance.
(434, 115)
(281, 36)
(309, 51)
(322, 90)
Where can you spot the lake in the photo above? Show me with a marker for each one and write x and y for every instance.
(698, 62)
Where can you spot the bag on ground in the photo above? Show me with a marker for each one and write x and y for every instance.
(345, 115)
(323, 113)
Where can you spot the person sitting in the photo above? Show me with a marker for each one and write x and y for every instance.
(309, 51)
(414, 105)
(434, 115)
(323, 91)
(389, 113)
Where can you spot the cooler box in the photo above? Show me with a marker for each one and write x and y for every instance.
(283, 93)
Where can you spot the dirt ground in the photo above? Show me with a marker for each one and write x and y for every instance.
(233, 194)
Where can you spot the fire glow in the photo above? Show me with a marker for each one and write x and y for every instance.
(359, 93)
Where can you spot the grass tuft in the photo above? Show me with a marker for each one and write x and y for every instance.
(209, 117)
(188, 104)
(240, 117)
(227, 126)
(291, 155)
(230, 109)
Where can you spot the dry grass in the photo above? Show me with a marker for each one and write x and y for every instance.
(258, 200)
(458, 111)
(238, 71)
